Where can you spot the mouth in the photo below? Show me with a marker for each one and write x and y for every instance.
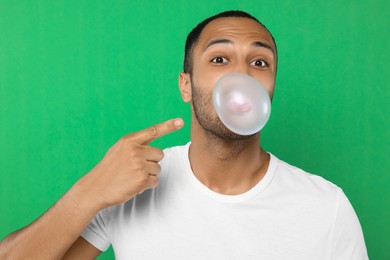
(239, 107)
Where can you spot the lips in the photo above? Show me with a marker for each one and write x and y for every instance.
(239, 107)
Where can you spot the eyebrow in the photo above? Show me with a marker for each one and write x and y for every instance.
(218, 41)
(226, 41)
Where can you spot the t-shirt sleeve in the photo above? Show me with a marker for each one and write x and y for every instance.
(348, 241)
(96, 233)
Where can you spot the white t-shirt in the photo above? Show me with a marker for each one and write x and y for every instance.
(289, 214)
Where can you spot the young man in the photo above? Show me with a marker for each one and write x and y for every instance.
(221, 196)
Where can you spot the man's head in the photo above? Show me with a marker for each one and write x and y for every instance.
(193, 36)
(230, 42)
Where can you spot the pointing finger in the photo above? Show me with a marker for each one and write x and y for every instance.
(149, 134)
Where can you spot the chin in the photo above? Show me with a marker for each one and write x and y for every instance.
(219, 130)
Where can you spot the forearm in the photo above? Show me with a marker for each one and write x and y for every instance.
(127, 169)
(50, 236)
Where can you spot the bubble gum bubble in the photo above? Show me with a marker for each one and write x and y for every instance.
(242, 103)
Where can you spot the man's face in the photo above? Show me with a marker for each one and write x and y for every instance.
(229, 45)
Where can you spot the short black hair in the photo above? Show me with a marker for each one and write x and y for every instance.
(193, 36)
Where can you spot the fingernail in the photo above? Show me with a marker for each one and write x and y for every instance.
(178, 123)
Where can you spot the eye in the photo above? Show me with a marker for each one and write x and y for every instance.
(260, 63)
(219, 60)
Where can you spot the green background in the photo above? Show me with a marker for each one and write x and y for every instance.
(75, 76)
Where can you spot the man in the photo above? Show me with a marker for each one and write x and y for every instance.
(219, 197)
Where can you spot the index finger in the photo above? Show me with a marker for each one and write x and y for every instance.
(151, 133)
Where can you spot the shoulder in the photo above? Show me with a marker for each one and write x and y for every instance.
(180, 150)
(176, 155)
(297, 182)
(300, 177)
(319, 199)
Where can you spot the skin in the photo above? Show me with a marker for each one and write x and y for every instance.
(217, 156)
(129, 168)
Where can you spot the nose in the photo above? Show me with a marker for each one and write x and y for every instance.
(242, 67)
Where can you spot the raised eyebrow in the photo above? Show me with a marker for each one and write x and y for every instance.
(227, 41)
(217, 41)
(263, 45)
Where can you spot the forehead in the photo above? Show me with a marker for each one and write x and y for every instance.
(235, 29)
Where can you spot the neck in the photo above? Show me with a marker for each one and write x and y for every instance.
(227, 166)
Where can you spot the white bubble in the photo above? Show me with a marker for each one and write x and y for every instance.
(242, 103)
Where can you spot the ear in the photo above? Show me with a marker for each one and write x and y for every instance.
(185, 86)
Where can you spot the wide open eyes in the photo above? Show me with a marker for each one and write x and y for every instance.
(260, 63)
(219, 60)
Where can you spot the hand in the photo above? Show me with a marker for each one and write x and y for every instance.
(129, 168)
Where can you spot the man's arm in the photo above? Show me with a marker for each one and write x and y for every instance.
(81, 250)
(128, 168)
(50, 236)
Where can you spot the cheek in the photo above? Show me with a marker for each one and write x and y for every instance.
(205, 82)
(205, 77)
(270, 89)
(268, 83)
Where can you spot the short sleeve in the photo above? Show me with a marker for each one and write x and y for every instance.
(348, 240)
(96, 233)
